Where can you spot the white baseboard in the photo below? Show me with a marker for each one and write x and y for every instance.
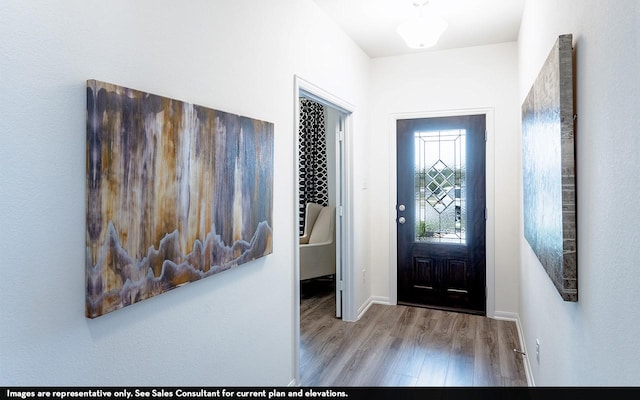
(515, 317)
(372, 300)
(507, 316)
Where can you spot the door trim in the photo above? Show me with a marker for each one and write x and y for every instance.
(490, 193)
(302, 86)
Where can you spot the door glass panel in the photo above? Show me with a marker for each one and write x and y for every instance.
(440, 186)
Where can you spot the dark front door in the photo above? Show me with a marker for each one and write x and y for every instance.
(441, 212)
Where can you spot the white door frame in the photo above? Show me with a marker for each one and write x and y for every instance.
(490, 192)
(303, 88)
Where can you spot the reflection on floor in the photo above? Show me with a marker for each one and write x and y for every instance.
(403, 346)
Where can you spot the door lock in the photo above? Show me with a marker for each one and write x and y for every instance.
(402, 220)
(401, 207)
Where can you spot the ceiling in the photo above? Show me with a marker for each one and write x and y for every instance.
(372, 23)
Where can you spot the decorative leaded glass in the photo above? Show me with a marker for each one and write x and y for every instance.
(440, 186)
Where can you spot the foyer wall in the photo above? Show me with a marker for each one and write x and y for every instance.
(595, 341)
(238, 56)
(477, 77)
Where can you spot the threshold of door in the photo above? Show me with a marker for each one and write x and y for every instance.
(450, 309)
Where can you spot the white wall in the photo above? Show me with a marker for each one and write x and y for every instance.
(470, 78)
(240, 56)
(595, 341)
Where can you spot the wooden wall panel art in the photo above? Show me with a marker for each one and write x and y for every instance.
(549, 171)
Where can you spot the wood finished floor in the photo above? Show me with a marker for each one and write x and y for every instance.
(403, 346)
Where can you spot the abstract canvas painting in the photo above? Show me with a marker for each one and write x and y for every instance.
(549, 172)
(176, 192)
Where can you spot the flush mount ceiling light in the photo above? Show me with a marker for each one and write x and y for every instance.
(423, 30)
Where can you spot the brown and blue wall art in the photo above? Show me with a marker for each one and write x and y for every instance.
(176, 192)
(549, 168)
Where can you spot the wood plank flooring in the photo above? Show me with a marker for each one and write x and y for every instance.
(403, 346)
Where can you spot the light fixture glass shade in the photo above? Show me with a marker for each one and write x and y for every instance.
(423, 31)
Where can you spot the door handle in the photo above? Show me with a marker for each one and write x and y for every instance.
(402, 220)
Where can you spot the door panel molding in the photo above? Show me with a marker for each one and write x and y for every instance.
(489, 113)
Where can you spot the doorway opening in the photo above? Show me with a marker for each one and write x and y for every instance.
(322, 196)
(320, 201)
